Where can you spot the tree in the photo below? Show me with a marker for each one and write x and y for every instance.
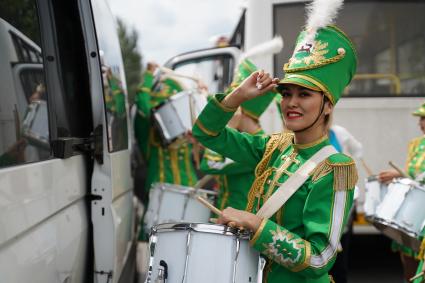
(131, 57)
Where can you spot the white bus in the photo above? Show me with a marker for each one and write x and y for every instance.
(66, 191)
(390, 81)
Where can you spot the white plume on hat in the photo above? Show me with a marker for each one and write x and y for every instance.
(320, 13)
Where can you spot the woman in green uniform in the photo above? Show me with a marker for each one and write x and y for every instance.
(300, 239)
(415, 167)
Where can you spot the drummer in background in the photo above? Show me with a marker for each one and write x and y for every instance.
(300, 239)
(415, 167)
(172, 164)
(235, 179)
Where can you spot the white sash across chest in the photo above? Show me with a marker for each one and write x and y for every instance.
(294, 182)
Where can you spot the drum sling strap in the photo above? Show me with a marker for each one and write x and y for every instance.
(294, 182)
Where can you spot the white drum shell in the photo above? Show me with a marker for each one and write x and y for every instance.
(411, 215)
(177, 115)
(173, 203)
(401, 215)
(375, 193)
(210, 257)
(392, 201)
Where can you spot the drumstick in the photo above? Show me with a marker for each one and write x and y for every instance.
(208, 205)
(174, 73)
(398, 169)
(202, 182)
(366, 167)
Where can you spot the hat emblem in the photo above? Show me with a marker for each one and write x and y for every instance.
(317, 52)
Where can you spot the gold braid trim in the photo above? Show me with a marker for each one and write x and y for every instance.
(321, 170)
(280, 141)
(257, 188)
(277, 141)
(328, 61)
(421, 254)
(345, 175)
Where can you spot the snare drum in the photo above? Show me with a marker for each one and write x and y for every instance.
(207, 253)
(176, 115)
(375, 193)
(401, 215)
(175, 203)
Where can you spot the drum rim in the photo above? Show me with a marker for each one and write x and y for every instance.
(200, 227)
(184, 189)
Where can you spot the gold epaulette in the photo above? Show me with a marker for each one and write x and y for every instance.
(345, 174)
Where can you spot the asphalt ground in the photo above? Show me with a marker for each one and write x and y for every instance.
(371, 260)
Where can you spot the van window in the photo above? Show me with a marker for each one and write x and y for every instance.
(114, 88)
(389, 38)
(24, 127)
(214, 72)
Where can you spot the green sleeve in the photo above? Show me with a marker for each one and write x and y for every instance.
(211, 131)
(216, 164)
(325, 213)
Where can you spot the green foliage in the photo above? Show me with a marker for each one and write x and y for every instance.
(131, 57)
(22, 15)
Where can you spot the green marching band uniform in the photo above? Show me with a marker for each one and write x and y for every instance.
(300, 240)
(172, 164)
(416, 166)
(235, 179)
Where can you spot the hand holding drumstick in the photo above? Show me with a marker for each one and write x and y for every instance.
(234, 217)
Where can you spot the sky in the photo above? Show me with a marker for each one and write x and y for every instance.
(169, 27)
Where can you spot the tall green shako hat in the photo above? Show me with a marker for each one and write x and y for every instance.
(254, 107)
(420, 111)
(324, 58)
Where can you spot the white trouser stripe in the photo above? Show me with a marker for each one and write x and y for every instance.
(322, 259)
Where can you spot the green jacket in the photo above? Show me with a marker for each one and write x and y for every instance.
(234, 179)
(300, 240)
(415, 164)
(165, 164)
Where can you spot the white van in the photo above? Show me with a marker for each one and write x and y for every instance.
(66, 191)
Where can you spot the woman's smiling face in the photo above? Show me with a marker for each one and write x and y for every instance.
(301, 106)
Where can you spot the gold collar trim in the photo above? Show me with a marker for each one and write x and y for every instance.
(310, 144)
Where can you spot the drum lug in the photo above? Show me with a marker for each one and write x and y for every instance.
(162, 272)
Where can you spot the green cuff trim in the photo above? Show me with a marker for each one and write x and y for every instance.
(205, 130)
(261, 236)
(224, 108)
(258, 232)
(213, 118)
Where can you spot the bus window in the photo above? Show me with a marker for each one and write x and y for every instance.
(24, 127)
(389, 38)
